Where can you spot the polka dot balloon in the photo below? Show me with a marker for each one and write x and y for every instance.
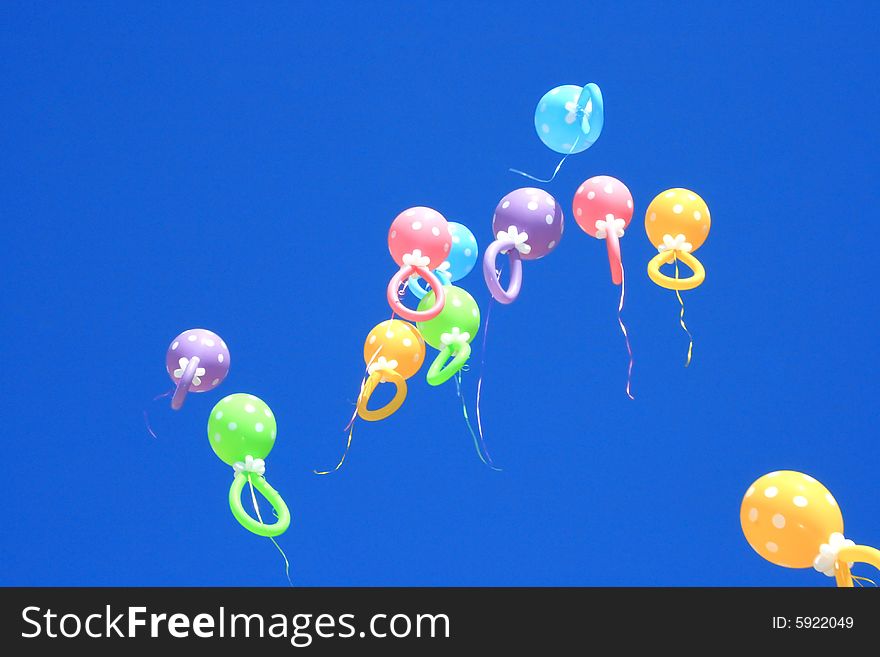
(792, 520)
(197, 361)
(393, 352)
(241, 431)
(459, 262)
(419, 241)
(569, 118)
(528, 224)
(451, 333)
(603, 208)
(677, 222)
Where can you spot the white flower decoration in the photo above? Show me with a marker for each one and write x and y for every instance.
(520, 240)
(572, 108)
(257, 466)
(617, 225)
(416, 259)
(455, 337)
(676, 243)
(380, 365)
(827, 557)
(183, 362)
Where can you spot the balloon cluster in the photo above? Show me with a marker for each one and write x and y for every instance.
(788, 518)
(241, 427)
(431, 253)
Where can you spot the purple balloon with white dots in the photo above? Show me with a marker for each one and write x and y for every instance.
(535, 212)
(198, 357)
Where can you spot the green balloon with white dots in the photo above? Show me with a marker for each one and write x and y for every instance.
(241, 425)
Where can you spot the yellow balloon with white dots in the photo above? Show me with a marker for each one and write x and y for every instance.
(678, 211)
(786, 516)
(399, 343)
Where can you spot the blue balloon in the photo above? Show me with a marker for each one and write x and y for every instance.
(461, 259)
(569, 118)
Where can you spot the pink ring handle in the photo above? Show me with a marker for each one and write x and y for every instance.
(492, 279)
(185, 382)
(397, 306)
(613, 244)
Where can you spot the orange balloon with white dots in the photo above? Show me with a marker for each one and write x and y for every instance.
(399, 344)
(678, 211)
(786, 516)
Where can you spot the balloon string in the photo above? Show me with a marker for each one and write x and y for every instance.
(344, 454)
(271, 538)
(479, 445)
(859, 580)
(350, 426)
(629, 369)
(147, 415)
(555, 171)
(681, 318)
(483, 364)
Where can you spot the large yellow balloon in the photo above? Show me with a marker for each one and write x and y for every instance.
(678, 211)
(677, 222)
(786, 516)
(399, 341)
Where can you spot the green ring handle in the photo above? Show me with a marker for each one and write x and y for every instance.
(275, 529)
(440, 372)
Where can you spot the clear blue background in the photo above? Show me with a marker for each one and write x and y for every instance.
(236, 167)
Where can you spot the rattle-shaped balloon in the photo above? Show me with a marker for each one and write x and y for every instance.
(528, 224)
(603, 208)
(241, 430)
(677, 222)
(419, 241)
(458, 264)
(568, 119)
(792, 520)
(450, 332)
(197, 361)
(393, 352)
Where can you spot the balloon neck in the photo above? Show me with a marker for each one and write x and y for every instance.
(184, 382)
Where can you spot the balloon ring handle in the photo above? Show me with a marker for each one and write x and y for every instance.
(667, 257)
(391, 376)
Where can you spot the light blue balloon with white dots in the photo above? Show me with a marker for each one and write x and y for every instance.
(462, 257)
(569, 118)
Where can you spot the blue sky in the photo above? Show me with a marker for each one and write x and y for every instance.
(236, 166)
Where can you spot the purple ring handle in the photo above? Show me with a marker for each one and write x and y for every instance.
(185, 382)
(492, 279)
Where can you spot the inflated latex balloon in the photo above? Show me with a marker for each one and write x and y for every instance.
(459, 262)
(528, 224)
(241, 430)
(569, 119)
(603, 208)
(393, 352)
(677, 222)
(419, 241)
(197, 361)
(793, 521)
(450, 332)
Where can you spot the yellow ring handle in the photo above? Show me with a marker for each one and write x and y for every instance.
(667, 257)
(854, 554)
(391, 376)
